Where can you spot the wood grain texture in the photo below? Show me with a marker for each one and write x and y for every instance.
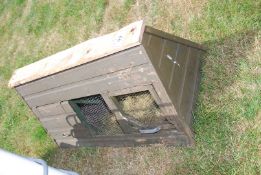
(172, 138)
(51, 109)
(115, 62)
(58, 122)
(158, 51)
(190, 85)
(87, 51)
(130, 77)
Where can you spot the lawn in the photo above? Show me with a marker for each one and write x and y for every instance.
(228, 112)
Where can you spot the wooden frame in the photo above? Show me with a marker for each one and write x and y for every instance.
(111, 102)
(168, 138)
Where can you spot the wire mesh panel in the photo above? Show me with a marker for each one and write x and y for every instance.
(140, 106)
(95, 114)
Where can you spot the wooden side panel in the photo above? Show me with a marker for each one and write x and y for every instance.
(120, 61)
(190, 86)
(122, 79)
(154, 46)
(169, 59)
(178, 74)
(162, 53)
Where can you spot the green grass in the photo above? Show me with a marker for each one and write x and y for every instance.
(29, 31)
(228, 114)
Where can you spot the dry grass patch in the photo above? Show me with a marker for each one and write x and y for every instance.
(156, 159)
(172, 16)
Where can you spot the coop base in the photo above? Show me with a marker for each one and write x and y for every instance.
(170, 138)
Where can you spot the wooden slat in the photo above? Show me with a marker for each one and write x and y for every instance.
(179, 122)
(171, 138)
(87, 51)
(60, 121)
(120, 61)
(154, 46)
(51, 109)
(127, 78)
(178, 72)
(190, 85)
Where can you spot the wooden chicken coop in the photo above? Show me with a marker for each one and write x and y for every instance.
(130, 87)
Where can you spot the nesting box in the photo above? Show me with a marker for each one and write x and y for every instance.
(130, 87)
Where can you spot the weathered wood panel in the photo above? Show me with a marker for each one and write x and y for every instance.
(54, 123)
(120, 61)
(190, 85)
(169, 59)
(167, 138)
(51, 109)
(166, 66)
(154, 45)
(156, 50)
(178, 73)
(122, 79)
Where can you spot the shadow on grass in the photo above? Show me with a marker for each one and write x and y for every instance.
(220, 67)
(215, 114)
(218, 109)
(220, 70)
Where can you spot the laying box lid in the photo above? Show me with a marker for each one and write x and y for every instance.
(90, 50)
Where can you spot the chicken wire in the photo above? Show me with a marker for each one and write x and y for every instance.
(98, 116)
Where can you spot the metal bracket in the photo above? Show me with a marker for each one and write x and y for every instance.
(150, 130)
